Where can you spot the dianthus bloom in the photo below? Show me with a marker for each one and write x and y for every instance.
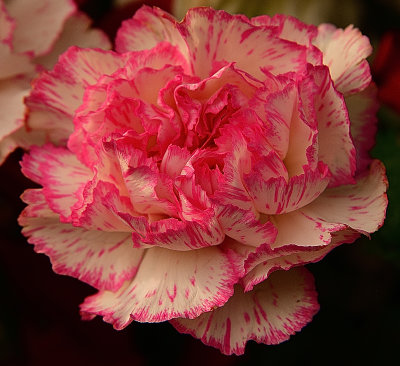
(32, 35)
(186, 173)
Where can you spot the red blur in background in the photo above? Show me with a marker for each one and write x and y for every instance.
(386, 70)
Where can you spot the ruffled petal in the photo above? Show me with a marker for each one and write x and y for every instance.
(292, 132)
(168, 284)
(299, 229)
(237, 162)
(243, 226)
(103, 260)
(269, 314)
(216, 37)
(147, 28)
(279, 111)
(361, 206)
(60, 173)
(344, 53)
(335, 147)
(261, 264)
(58, 93)
(102, 208)
(277, 196)
(174, 160)
(289, 27)
(175, 234)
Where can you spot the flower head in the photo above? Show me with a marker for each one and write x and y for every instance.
(186, 173)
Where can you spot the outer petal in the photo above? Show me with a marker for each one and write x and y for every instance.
(344, 53)
(60, 173)
(103, 260)
(58, 93)
(361, 206)
(260, 266)
(269, 314)
(76, 32)
(168, 284)
(38, 23)
(299, 229)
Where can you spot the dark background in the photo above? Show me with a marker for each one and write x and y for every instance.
(358, 284)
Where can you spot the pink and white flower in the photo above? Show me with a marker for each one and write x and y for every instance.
(32, 36)
(187, 172)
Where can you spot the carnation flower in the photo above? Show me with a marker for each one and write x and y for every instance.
(32, 35)
(191, 174)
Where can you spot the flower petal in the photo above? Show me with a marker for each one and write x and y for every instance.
(102, 208)
(12, 64)
(60, 173)
(103, 260)
(243, 226)
(269, 314)
(215, 37)
(260, 266)
(336, 148)
(344, 52)
(76, 32)
(299, 229)
(237, 162)
(277, 196)
(147, 28)
(168, 284)
(290, 28)
(174, 160)
(58, 93)
(175, 234)
(361, 206)
(39, 23)
(12, 108)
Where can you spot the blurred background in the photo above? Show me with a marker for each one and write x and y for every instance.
(358, 284)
